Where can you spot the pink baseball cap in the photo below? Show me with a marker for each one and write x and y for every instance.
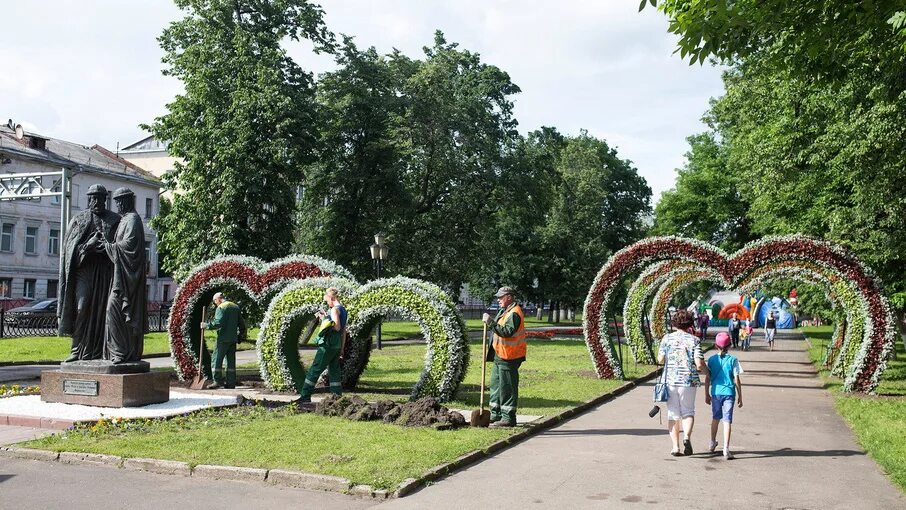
(722, 340)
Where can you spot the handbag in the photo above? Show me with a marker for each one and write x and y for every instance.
(661, 393)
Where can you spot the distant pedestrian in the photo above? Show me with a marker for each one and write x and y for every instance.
(226, 323)
(745, 334)
(770, 329)
(681, 356)
(724, 389)
(703, 322)
(733, 328)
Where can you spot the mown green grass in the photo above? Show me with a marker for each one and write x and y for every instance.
(370, 453)
(558, 375)
(879, 421)
(55, 348)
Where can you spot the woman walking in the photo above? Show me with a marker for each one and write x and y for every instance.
(681, 354)
(770, 329)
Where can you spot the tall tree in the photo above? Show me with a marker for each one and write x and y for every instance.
(706, 202)
(453, 132)
(354, 189)
(243, 127)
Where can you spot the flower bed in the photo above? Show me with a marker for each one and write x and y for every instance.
(863, 361)
(250, 276)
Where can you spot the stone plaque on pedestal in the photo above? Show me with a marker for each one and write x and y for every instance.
(105, 390)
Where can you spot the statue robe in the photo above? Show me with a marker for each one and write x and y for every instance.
(126, 306)
(85, 277)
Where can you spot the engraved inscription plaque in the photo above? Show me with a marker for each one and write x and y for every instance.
(80, 387)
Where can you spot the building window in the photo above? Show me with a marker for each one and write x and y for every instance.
(53, 242)
(74, 199)
(166, 297)
(29, 291)
(149, 208)
(147, 258)
(6, 237)
(52, 286)
(6, 287)
(31, 240)
(55, 200)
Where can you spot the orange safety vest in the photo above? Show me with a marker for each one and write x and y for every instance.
(513, 347)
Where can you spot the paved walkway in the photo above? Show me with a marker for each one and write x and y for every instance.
(30, 484)
(792, 451)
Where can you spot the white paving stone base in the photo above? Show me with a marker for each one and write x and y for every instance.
(179, 403)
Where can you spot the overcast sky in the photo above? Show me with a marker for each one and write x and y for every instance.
(88, 71)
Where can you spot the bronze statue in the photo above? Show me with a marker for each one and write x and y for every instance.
(86, 273)
(126, 307)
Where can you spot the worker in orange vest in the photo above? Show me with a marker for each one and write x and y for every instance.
(509, 352)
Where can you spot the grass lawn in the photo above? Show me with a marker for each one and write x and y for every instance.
(557, 375)
(879, 422)
(54, 348)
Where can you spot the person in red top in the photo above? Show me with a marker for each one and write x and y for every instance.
(509, 353)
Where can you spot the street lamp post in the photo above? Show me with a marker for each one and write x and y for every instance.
(379, 253)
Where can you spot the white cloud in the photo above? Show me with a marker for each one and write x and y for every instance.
(89, 71)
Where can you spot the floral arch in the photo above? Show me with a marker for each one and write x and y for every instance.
(667, 263)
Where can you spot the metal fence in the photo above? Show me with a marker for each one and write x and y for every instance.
(23, 324)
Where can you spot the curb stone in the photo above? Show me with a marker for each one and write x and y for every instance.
(28, 453)
(164, 467)
(407, 487)
(90, 458)
(307, 480)
(230, 473)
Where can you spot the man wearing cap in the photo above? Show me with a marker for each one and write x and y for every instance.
(85, 277)
(126, 309)
(509, 353)
(226, 323)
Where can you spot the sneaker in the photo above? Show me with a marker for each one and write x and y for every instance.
(502, 423)
(215, 386)
(230, 386)
(303, 400)
(687, 447)
(712, 445)
(728, 454)
(676, 453)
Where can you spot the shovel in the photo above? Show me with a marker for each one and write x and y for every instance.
(199, 382)
(482, 417)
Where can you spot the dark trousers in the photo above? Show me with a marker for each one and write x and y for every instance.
(325, 358)
(734, 336)
(504, 390)
(224, 350)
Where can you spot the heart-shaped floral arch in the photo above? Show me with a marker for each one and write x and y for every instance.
(863, 359)
(256, 279)
(425, 303)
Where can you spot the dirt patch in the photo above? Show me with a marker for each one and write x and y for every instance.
(424, 412)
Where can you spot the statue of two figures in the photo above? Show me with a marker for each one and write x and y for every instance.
(102, 286)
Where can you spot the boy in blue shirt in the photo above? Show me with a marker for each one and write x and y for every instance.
(724, 387)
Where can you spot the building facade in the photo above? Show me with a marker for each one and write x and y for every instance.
(30, 230)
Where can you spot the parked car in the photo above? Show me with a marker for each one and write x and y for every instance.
(37, 314)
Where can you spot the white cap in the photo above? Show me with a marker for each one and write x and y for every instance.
(218, 295)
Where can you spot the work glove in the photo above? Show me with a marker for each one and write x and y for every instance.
(486, 318)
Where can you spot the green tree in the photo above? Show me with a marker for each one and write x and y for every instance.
(243, 128)
(354, 189)
(822, 39)
(706, 202)
(600, 204)
(453, 133)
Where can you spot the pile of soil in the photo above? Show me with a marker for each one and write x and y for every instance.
(424, 412)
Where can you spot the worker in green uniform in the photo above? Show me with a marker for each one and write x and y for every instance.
(330, 340)
(509, 352)
(226, 323)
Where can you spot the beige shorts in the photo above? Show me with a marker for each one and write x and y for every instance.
(681, 402)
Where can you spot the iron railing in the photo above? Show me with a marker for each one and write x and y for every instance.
(23, 324)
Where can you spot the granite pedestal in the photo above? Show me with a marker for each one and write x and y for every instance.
(103, 384)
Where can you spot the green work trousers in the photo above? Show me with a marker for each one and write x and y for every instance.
(504, 389)
(328, 358)
(224, 350)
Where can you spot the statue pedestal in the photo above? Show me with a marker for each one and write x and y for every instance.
(101, 383)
